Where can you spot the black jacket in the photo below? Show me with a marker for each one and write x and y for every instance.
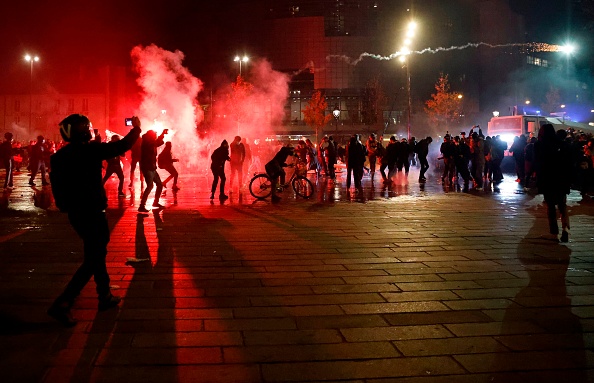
(218, 157)
(77, 182)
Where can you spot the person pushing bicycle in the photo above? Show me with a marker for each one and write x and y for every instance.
(274, 168)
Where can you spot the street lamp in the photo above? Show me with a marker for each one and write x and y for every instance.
(240, 60)
(563, 113)
(31, 60)
(404, 52)
(336, 114)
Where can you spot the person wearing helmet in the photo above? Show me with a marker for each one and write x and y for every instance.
(77, 187)
(6, 156)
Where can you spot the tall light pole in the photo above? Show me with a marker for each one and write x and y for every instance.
(404, 53)
(31, 60)
(240, 60)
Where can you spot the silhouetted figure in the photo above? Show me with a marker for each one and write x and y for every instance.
(78, 191)
(7, 158)
(274, 168)
(37, 161)
(114, 166)
(148, 167)
(134, 160)
(217, 166)
(237, 159)
(165, 162)
(422, 150)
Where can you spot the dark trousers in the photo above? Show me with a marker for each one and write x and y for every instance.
(118, 172)
(218, 173)
(151, 177)
(236, 171)
(331, 169)
(372, 160)
(133, 164)
(172, 174)
(424, 166)
(357, 173)
(37, 166)
(554, 201)
(93, 229)
(9, 166)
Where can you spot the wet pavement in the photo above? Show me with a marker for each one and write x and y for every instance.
(407, 283)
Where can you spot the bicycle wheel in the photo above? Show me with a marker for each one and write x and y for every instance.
(302, 186)
(260, 186)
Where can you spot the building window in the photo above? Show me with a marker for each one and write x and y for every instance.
(17, 105)
(85, 104)
(71, 105)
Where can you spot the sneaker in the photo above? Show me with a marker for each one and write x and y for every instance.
(62, 315)
(175, 188)
(223, 197)
(158, 206)
(121, 195)
(108, 302)
(564, 236)
(31, 183)
(142, 209)
(212, 196)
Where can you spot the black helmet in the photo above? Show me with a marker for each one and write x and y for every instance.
(76, 128)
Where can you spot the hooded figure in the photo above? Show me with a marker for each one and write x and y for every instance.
(217, 166)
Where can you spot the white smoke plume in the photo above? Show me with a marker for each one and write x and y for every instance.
(169, 99)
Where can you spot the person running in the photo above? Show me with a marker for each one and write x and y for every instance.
(422, 149)
(165, 161)
(114, 166)
(217, 167)
(76, 185)
(148, 167)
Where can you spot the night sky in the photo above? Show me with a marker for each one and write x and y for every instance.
(67, 33)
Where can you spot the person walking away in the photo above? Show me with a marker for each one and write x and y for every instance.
(165, 161)
(78, 191)
(461, 159)
(37, 161)
(553, 177)
(275, 171)
(114, 166)
(355, 156)
(217, 167)
(423, 151)
(498, 149)
(134, 160)
(148, 167)
(237, 160)
(7, 158)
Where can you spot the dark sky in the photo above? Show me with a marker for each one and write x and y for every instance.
(66, 33)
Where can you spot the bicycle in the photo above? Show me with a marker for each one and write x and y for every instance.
(261, 184)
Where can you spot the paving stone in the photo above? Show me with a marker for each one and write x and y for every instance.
(395, 333)
(449, 346)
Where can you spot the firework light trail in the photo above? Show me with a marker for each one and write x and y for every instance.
(526, 47)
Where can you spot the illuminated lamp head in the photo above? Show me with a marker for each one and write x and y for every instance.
(76, 128)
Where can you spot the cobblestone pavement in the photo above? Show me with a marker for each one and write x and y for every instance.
(407, 284)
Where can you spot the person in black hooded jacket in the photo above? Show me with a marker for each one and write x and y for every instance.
(217, 166)
(77, 187)
(553, 161)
